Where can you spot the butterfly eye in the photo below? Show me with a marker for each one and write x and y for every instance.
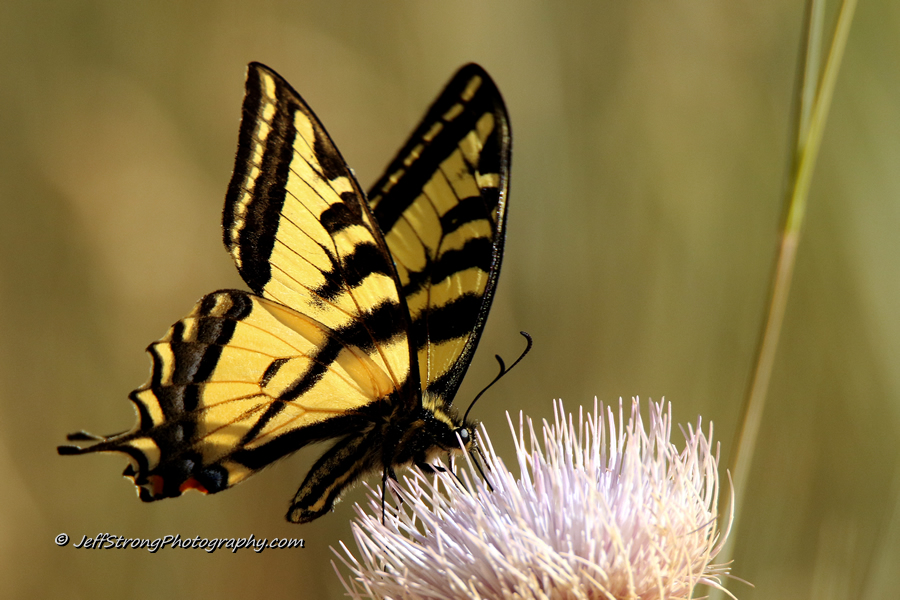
(463, 435)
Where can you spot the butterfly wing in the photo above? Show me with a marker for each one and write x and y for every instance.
(299, 230)
(441, 205)
(206, 418)
(321, 351)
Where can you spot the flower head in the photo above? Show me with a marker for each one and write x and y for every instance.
(600, 509)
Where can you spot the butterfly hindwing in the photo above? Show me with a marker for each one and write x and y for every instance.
(216, 374)
(442, 207)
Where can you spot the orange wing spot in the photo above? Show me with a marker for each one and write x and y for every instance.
(154, 485)
(192, 484)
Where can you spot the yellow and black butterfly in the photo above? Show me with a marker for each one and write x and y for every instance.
(365, 310)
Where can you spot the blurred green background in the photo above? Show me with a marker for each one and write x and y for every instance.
(650, 144)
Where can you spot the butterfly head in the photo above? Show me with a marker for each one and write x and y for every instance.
(445, 429)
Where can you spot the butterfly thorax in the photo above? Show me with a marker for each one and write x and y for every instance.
(433, 429)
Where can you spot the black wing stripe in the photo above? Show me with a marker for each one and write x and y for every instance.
(449, 321)
(408, 188)
(467, 211)
(340, 215)
(475, 254)
(322, 360)
(365, 260)
(265, 454)
(255, 239)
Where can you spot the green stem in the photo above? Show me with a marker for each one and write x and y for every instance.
(810, 127)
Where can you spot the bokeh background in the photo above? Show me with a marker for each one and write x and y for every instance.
(650, 147)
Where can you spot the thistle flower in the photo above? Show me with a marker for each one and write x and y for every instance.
(600, 510)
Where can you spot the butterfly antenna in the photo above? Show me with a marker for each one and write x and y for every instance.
(503, 371)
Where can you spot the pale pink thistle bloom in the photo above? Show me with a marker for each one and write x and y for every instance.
(600, 510)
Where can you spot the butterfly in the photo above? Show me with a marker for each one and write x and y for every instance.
(364, 314)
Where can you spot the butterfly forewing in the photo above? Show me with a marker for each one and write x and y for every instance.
(299, 231)
(442, 207)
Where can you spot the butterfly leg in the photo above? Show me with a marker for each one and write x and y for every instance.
(480, 470)
(388, 473)
(429, 469)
